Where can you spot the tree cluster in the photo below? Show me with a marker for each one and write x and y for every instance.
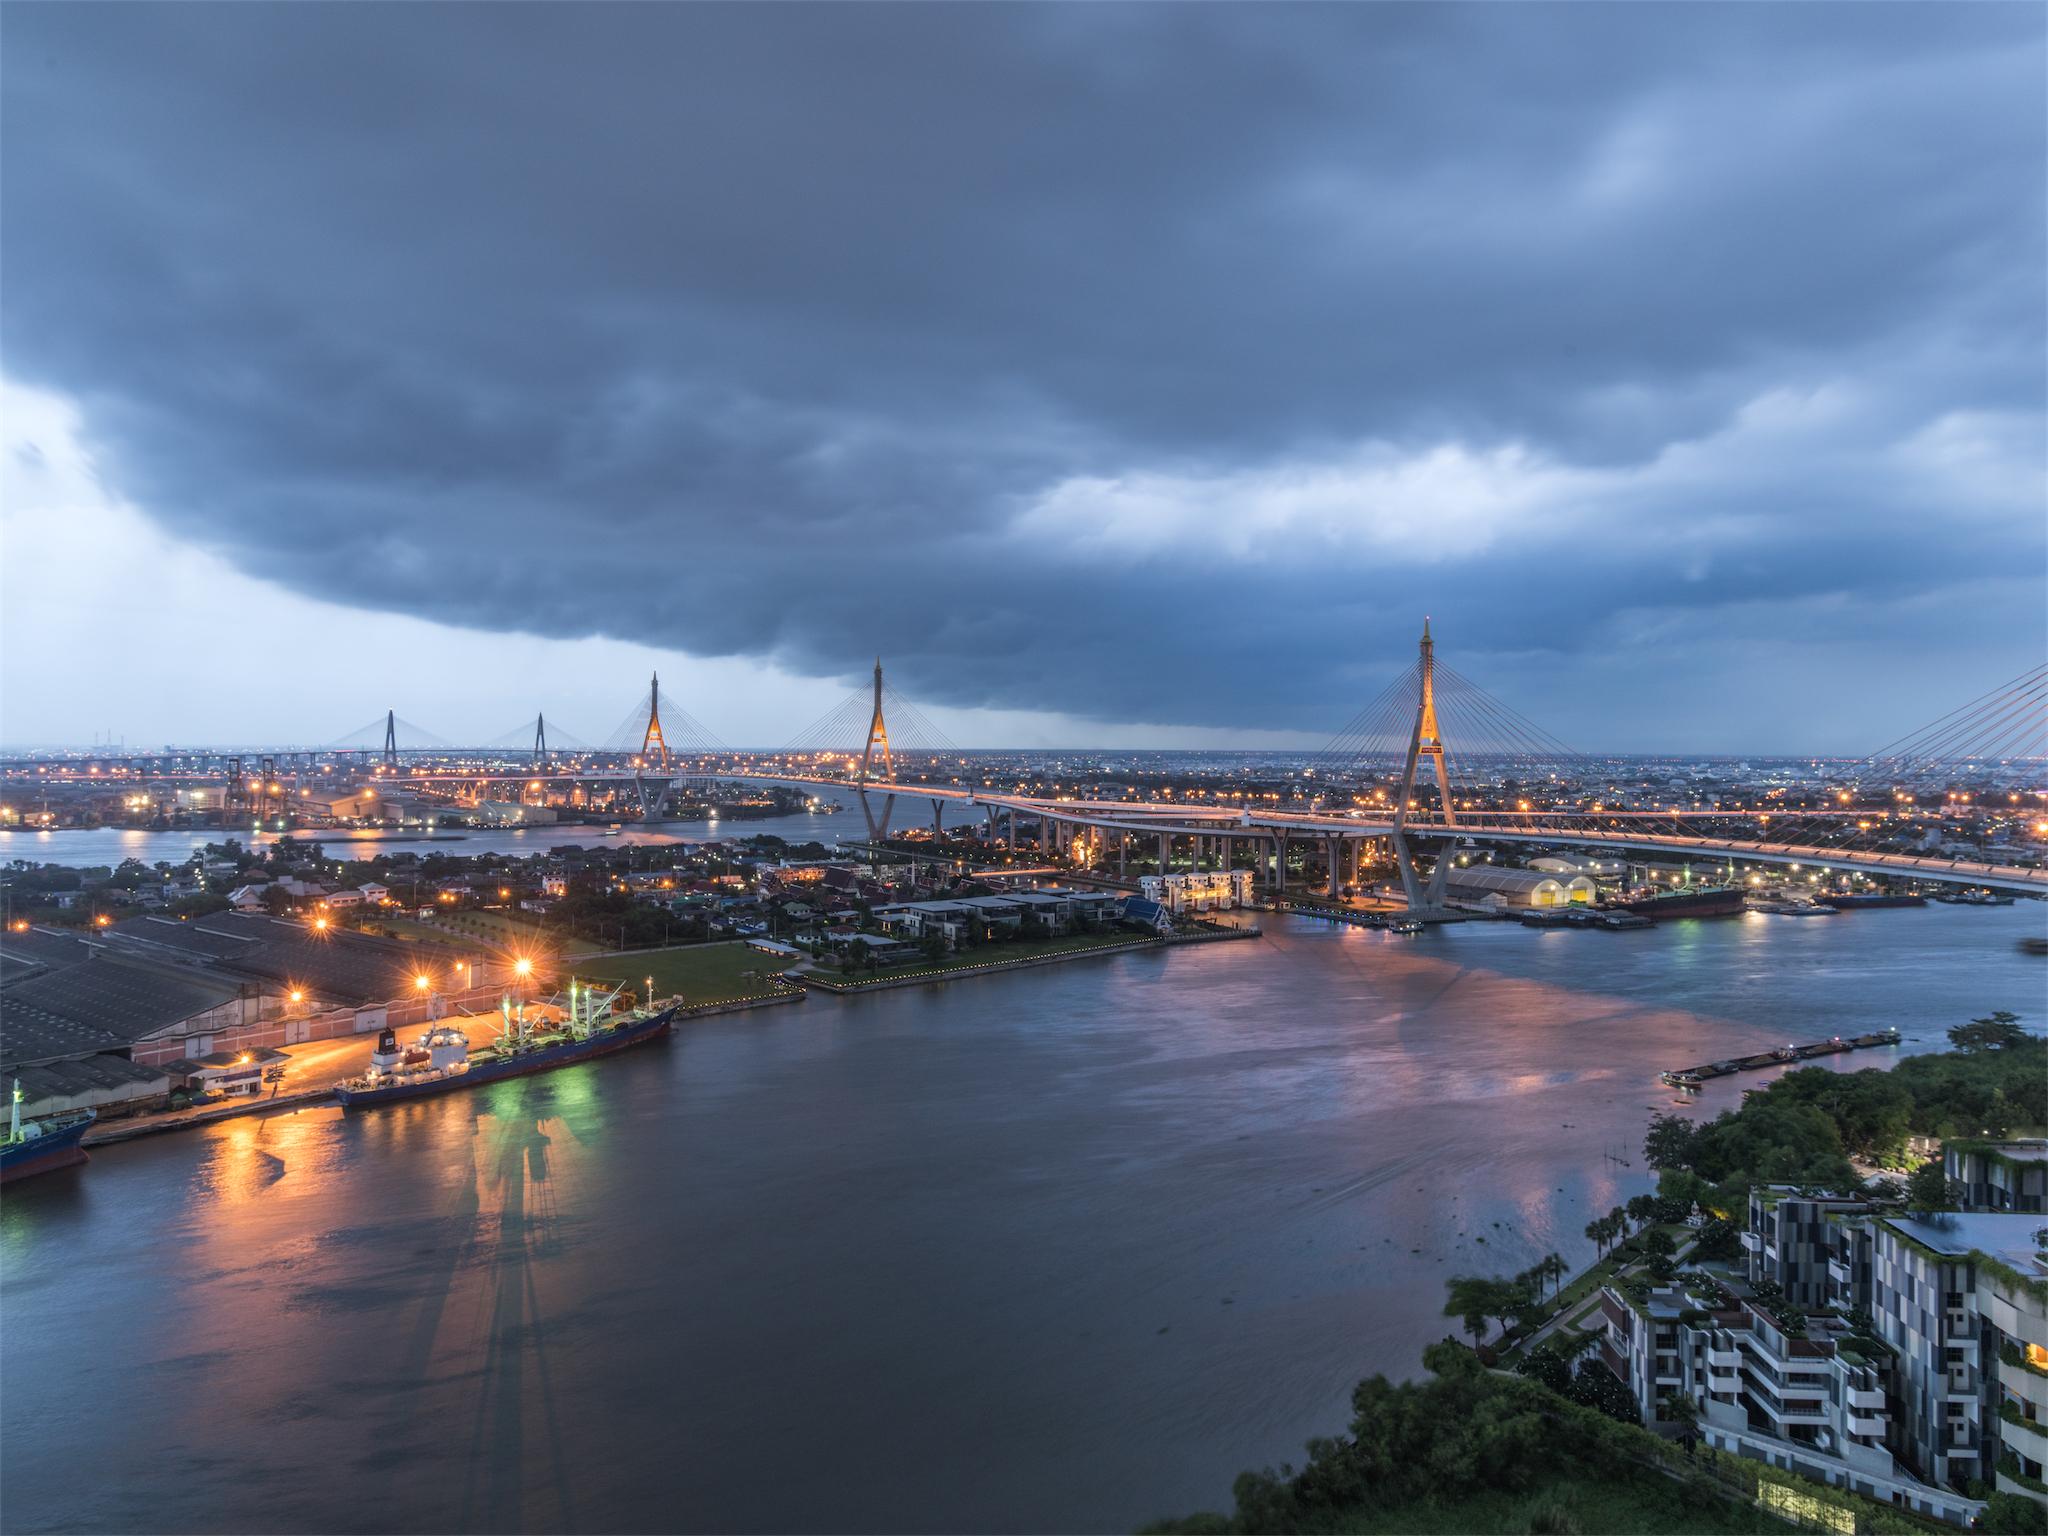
(1805, 1127)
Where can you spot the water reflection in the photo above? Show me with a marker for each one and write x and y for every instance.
(1061, 1250)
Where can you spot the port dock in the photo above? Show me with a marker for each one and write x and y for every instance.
(1692, 1077)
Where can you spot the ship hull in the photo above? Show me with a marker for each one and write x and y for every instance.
(1850, 903)
(1689, 904)
(46, 1153)
(525, 1064)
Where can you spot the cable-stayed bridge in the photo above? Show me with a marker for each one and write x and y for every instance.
(1431, 763)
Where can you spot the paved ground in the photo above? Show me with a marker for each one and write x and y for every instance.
(313, 1068)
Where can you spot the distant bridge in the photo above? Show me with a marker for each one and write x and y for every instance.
(1405, 724)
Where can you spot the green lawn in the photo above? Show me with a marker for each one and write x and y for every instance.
(989, 954)
(698, 973)
(498, 930)
(413, 930)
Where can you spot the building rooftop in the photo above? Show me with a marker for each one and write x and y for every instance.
(68, 1079)
(107, 1004)
(2012, 1240)
(36, 950)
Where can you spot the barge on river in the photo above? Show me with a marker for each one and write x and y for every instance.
(1692, 1077)
(441, 1060)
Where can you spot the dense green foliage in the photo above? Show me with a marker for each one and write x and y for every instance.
(1805, 1127)
(1473, 1450)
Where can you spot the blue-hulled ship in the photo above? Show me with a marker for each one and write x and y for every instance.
(536, 1039)
(44, 1144)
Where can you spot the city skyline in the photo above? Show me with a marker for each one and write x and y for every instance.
(1102, 437)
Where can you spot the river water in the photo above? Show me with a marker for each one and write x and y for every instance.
(1054, 1251)
(89, 847)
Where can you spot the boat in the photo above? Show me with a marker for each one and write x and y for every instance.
(441, 1060)
(1692, 901)
(1624, 919)
(1848, 900)
(1799, 908)
(1405, 925)
(1689, 1079)
(44, 1144)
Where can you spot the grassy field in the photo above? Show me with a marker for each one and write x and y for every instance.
(414, 931)
(499, 930)
(988, 954)
(698, 973)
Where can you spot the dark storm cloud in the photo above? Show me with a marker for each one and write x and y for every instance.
(977, 336)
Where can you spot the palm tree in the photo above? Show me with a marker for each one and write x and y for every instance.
(1597, 1230)
(1554, 1270)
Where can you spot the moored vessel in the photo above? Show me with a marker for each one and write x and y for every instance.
(531, 1038)
(1691, 901)
(44, 1144)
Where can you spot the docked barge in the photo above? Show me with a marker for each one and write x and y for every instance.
(1692, 1077)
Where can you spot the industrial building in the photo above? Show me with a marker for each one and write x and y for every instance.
(108, 1019)
(1491, 889)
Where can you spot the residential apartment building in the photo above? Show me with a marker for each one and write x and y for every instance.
(1999, 1175)
(1903, 1357)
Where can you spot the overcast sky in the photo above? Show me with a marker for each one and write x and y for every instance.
(1121, 375)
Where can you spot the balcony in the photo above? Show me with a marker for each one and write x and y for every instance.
(1839, 1273)
(1865, 1424)
(1752, 1242)
(1717, 1382)
(1865, 1397)
(1724, 1359)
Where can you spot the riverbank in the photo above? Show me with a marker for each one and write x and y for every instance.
(131, 1127)
(931, 975)
(1058, 1252)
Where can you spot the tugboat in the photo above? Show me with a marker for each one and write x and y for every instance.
(441, 1059)
(42, 1145)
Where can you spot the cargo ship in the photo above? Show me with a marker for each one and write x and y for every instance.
(1693, 901)
(1849, 900)
(441, 1060)
(42, 1145)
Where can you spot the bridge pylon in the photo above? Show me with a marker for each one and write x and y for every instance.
(391, 739)
(878, 736)
(1425, 744)
(653, 744)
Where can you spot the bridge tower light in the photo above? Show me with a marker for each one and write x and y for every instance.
(652, 742)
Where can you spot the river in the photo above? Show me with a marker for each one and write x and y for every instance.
(1061, 1250)
(90, 847)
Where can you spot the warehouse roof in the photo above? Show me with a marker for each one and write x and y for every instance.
(35, 950)
(68, 1079)
(1484, 877)
(107, 1004)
